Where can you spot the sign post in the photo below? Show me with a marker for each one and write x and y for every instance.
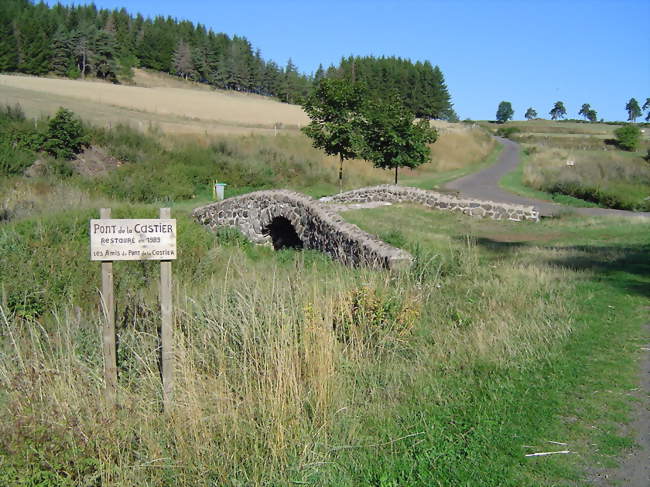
(167, 329)
(135, 239)
(108, 330)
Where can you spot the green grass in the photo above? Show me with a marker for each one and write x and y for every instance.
(577, 394)
(503, 337)
(295, 370)
(513, 181)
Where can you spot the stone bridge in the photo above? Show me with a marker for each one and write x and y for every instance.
(288, 219)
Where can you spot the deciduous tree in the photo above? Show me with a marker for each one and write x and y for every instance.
(504, 112)
(392, 138)
(530, 113)
(335, 108)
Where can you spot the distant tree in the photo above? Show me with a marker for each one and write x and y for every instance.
(182, 62)
(558, 111)
(319, 74)
(8, 45)
(633, 110)
(592, 115)
(504, 112)
(646, 106)
(628, 137)
(530, 113)
(104, 55)
(392, 138)
(584, 111)
(334, 109)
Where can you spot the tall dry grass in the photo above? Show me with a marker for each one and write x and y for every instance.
(620, 179)
(274, 375)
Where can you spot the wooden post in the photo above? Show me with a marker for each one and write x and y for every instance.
(167, 330)
(108, 331)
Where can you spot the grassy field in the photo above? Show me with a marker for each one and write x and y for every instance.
(503, 338)
(292, 369)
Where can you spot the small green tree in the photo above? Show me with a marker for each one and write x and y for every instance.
(65, 135)
(633, 110)
(628, 137)
(334, 109)
(392, 138)
(558, 111)
(530, 113)
(504, 112)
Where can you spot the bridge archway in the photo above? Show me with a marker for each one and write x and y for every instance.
(283, 234)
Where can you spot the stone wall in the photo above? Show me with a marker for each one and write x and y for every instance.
(432, 199)
(271, 217)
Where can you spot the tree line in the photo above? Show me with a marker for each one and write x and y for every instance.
(421, 86)
(81, 41)
(634, 110)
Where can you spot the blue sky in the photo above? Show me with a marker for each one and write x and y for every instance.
(531, 53)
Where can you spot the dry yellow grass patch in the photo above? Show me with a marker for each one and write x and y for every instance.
(182, 104)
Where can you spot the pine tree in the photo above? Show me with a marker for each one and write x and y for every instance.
(104, 54)
(633, 110)
(62, 61)
(584, 110)
(558, 111)
(319, 74)
(182, 62)
(8, 46)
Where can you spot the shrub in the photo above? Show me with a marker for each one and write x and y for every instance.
(65, 135)
(628, 137)
(507, 132)
(13, 161)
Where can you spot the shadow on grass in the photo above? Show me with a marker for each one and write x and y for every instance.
(626, 267)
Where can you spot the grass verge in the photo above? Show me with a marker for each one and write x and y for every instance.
(294, 369)
(513, 182)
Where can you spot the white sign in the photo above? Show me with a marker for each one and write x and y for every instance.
(115, 239)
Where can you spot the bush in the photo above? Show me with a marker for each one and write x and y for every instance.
(13, 161)
(628, 137)
(507, 132)
(65, 135)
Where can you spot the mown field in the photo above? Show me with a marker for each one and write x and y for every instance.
(154, 101)
(503, 339)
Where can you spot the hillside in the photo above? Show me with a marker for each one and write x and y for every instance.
(172, 108)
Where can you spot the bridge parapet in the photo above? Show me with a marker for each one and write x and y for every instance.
(432, 199)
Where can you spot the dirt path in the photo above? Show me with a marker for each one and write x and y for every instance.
(485, 185)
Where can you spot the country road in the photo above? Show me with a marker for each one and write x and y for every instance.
(484, 185)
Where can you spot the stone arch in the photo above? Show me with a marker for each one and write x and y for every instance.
(283, 234)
